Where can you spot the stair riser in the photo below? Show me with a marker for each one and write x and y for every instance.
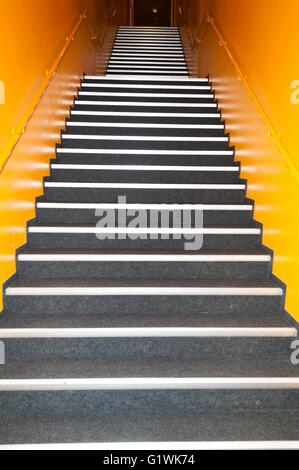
(154, 100)
(146, 71)
(105, 159)
(146, 119)
(163, 91)
(137, 176)
(149, 131)
(98, 416)
(144, 109)
(171, 196)
(97, 403)
(142, 145)
(144, 304)
(86, 216)
(144, 270)
(147, 81)
(81, 241)
(145, 349)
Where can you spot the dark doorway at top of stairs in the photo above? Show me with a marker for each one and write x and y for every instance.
(152, 12)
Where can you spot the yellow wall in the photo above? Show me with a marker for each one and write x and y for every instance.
(262, 37)
(33, 34)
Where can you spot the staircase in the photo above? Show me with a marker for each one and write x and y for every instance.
(115, 332)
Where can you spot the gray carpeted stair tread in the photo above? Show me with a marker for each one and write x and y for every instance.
(131, 425)
(126, 320)
(122, 367)
(143, 283)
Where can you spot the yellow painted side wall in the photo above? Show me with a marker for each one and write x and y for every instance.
(263, 36)
(32, 35)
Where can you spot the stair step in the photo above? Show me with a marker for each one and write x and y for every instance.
(154, 105)
(147, 78)
(108, 95)
(24, 324)
(146, 296)
(49, 212)
(172, 417)
(144, 129)
(132, 157)
(145, 118)
(149, 88)
(149, 194)
(144, 71)
(144, 266)
(155, 174)
(97, 238)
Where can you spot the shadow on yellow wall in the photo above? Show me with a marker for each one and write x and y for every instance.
(250, 56)
(33, 37)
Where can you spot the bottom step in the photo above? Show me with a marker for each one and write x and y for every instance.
(164, 445)
(99, 416)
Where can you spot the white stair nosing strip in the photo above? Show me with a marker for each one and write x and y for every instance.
(157, 32)
(158, 445)
(116, 63)
(171, 42)
(143, 231)
(161, 51)
(136, 125)
(149, 34)
(151, 383)
(148, 56)
(155, 104)
(148, 77)
(143, 138)
(145, 152)
(148, 49)
(167, 186)
(151, 332)
(157, 69)
(140, 66)
(155, 28)
(142, 291)
(199, 169)
(155, 55)
(153, 87)
(161, 35)
(145, 72)
(149, 37)
(160, 207)
(146, 95)
(150, 45)
(215, 115)
(107, 258)
(172, 39)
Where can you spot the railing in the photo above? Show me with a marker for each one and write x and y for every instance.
(195, 43)
(273, 134)
(50, 74)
